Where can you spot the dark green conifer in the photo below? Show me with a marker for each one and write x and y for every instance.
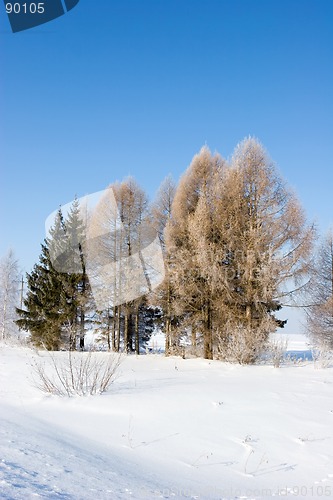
(55, 306)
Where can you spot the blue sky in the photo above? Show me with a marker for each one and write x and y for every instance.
(119, 87)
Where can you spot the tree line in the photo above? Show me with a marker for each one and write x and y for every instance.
(236, 248)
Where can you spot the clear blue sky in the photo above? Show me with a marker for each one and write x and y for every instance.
(118, 87)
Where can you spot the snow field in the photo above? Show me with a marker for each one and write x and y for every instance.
(170, 428)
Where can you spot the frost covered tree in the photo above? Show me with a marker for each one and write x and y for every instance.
(161, 212)
(162, 206)
(320, 292)
(117, 234)
(189, 230)
(239, 247)
(268, 245)
(9, 295)
(104, 250)
(132, 205)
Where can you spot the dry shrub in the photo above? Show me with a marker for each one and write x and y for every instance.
(276, 351)
(322, 356)
(79, 373)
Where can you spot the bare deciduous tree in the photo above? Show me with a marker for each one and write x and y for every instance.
(161, 212)
(117, 235)
(9, 295)
(320, 291)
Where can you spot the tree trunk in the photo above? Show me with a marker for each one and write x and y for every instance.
(126, 332)
(137, 340)
(208, 334)
(108, 329)
(194, 340)
(130, 333)
(167, 336)
(82, 322)
(118, 328)
(113, 339)
(4, 316)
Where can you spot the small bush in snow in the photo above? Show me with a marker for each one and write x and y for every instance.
(276, 351)
(80, 373)
(242, 345)
(322, 356)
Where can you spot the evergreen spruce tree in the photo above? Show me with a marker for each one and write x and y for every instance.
(55, 306)
(46, 306)
(75, 233)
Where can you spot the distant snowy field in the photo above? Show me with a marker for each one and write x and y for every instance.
(170, 428)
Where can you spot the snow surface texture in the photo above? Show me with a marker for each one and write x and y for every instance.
(169, 428)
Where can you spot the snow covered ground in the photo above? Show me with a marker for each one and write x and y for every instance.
(170, 428)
